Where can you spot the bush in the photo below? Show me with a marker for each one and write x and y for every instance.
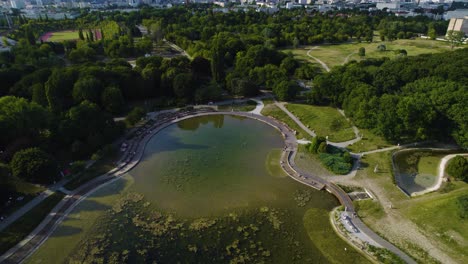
(314, 145)
(362, 52)
(135, 115)
(77, 166)
(458, 168)
(322, 148)
(462, 203)
(34, 165)
(335, 163)
(381, 47)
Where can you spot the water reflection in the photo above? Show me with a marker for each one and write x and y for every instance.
(193, 124)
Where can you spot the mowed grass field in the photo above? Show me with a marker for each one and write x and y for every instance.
(324, 120)
(63, 36)
(334, 55)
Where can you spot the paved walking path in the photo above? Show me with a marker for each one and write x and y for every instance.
(136, 149)
(324, 65)
(258, 109)
(295, 119)
(312, 133)
(31, 204)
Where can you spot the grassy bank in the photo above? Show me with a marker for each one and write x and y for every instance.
(331, 246)
(369, 141)
(100, 167)
(273, 111)
(17, 231)
(324, 120)
(77, 225)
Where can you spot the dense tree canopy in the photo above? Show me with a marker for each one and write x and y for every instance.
(458, 168)
(34, 165)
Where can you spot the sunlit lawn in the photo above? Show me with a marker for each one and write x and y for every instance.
(63, 36)
(334, 55)
(325, 121)
(273, 111)
(369, 141)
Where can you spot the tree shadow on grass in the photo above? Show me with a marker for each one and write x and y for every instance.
(65, 230)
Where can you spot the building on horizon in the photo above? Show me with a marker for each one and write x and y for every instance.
(459, 24)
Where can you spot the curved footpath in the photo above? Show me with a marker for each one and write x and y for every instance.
(136, 149)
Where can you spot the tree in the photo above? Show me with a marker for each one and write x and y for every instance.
(206, 93)
(381, 47)
(112, 99)
(217, 60)
(38, 94)
(59, 88)
(322, 148)
(20, 118)
(135, 115)
(286, 90)
(34, 165)
(243, 87)
(462, 204)
(431, 32)
(289, 65)
(458, 168)
(314, 145)
(183, 86)
(5, 186)
(80, 34)
(455, 37)
(362, 52)
(87, 88)
(296, 42)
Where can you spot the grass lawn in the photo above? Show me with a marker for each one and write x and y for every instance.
(333, 247)
(98, 168)
(79, 223)
(300, 54)
(17, 231)
(334, 55)
(245, 107)
(369, 141)
(437, 214)
(63, 36)
(429, 164)
(310, 162)
(25, 189)
(273, 111)
(324, 120)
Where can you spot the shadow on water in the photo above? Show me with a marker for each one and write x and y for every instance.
(111, 189)
(171, 143)
(88, 205)
(65, 230)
